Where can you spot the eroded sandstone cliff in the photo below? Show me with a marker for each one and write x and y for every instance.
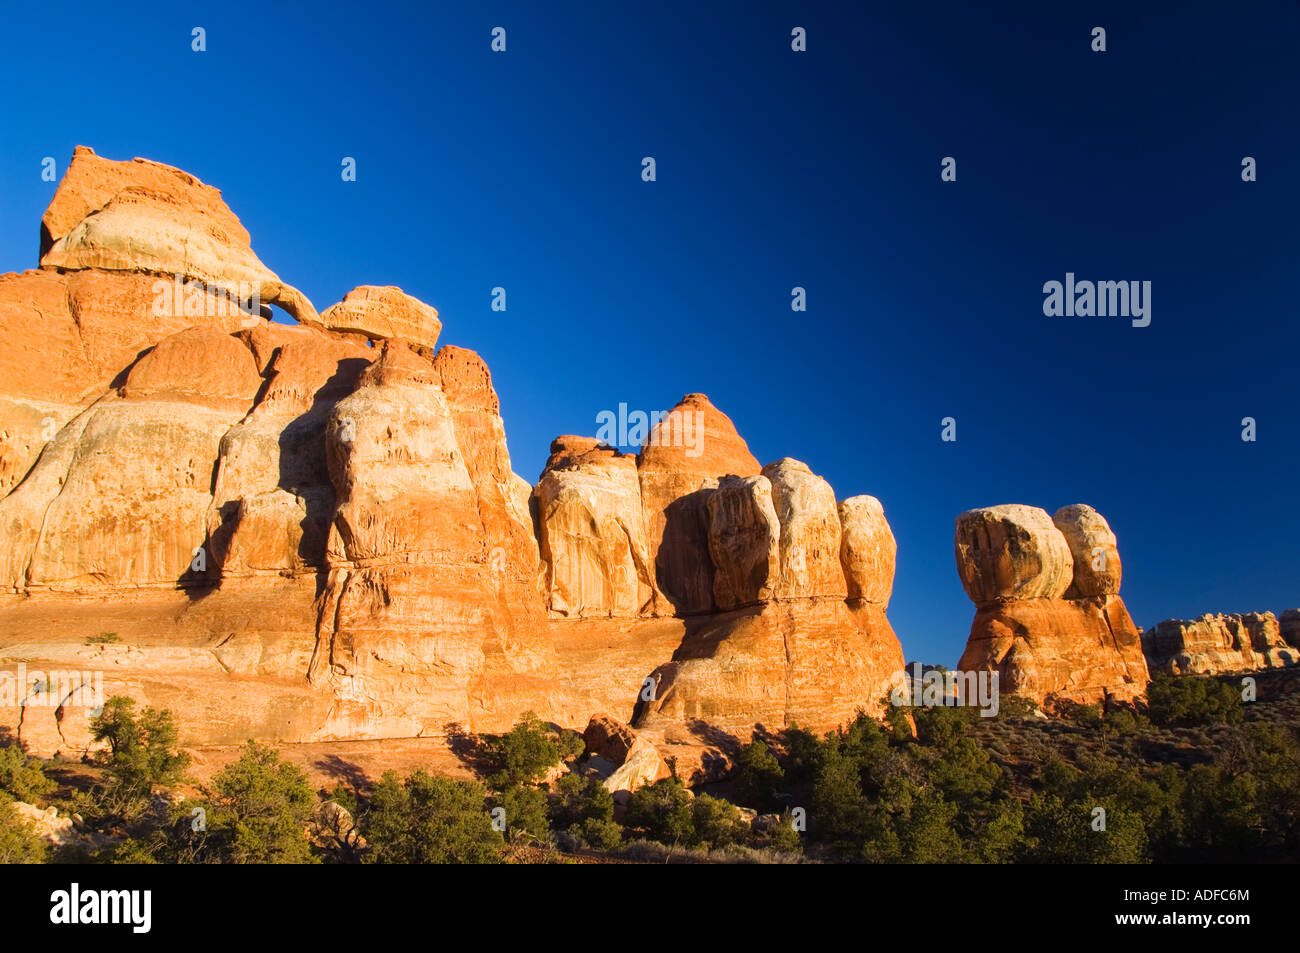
(313, 531)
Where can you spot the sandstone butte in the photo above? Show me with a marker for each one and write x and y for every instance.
(313, 532)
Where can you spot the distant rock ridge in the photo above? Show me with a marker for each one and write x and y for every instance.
(312, 532)
(1214, 644)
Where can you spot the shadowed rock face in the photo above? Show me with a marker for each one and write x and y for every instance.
(310, 532)
(1050, 621)
(685, 454)
(1219, 643)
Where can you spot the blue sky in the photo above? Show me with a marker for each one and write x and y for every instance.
(775, 169)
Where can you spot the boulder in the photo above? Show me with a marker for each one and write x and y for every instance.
(631, 761)
(1093, 548)
(382, 313)
(684, 454)
(1011, 552)
(810, 533)
(867, 550)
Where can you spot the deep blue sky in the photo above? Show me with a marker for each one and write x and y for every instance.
(778, 169)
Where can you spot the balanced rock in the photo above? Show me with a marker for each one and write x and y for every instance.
(1046, 622)
(868, 551)
(384, 312)
(1011, 552)
(1093, 548)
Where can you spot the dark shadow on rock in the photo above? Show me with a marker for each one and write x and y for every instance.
(344, 772)
(472, 750)
(682, 563)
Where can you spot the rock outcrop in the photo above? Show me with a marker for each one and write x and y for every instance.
(383, 313)
(1214, 644)
(623, 759)
(793, 648)
(1289, 625)
(143, 216)
(868, 550)
(592, 532)
(313, 531)
(1011, 552)
(694, 446)
(1049, 619)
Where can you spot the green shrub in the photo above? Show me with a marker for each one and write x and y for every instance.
(23, 777)
(19, 844)
(141, 749)
(717, 822)
(662, 811)
(524, 811)
(758, 776)
(1189, 701)
(528, 750)
(429, 819)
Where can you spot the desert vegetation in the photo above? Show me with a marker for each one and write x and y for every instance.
(1195, 774)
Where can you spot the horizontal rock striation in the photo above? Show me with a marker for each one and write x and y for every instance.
(1213, 644)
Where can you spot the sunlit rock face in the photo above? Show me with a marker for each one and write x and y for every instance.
(312, 531)
(1049, 618)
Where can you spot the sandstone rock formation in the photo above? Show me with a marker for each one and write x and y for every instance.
(793, 647)
(744, 542)
(810, 533)
(693, 446)
(1218, 643)
(1011, 552)
(382, 313)
(312, 531)
(1093, 548)
(145, 216)
(868, 551)
(1289, 625)
(626, 761)
(1049, 621)
(592, 532)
